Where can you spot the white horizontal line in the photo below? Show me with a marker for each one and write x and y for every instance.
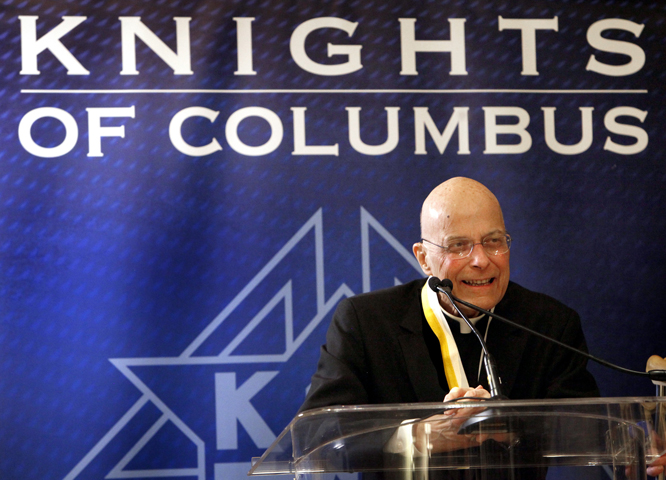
(318, 91)
(209, 360)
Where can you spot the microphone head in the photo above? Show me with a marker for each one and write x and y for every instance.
(438, 285)
(433, 283)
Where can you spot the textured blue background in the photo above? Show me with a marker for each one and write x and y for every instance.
(134, 254)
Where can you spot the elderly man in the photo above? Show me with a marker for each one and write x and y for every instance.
(383, 346)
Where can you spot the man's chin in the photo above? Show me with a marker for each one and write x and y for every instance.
(481, 303)
(484, 303)
(468, 311)
(471, 313)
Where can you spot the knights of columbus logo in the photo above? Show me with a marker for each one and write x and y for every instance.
(205, 402)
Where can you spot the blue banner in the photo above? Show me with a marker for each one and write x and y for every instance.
(187, 189)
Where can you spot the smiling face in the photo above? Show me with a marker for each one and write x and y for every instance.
(463, 208)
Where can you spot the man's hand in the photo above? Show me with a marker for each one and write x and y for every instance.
(440, 432)
(457, 392)
(657, 467)
(657, 445)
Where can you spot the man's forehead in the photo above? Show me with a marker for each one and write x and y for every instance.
(468, 226)
(460, 206)
(450, 235)
(436, 212)
(462, 219)
(462, 211)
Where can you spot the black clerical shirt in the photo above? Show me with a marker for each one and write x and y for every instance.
(468, 347)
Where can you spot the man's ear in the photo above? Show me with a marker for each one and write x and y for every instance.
(420, 254)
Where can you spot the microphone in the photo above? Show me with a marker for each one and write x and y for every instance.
(445, 286)
(494, 420)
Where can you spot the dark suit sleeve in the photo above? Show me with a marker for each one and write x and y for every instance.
(341, 370)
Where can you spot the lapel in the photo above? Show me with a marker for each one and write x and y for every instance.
(421, 371)
(507, 343)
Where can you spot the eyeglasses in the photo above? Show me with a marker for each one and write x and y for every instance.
(463, 247)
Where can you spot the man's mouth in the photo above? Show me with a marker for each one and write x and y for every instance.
(479, 283)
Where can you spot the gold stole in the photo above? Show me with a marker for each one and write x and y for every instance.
(453, 368)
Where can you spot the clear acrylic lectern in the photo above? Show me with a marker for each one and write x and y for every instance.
(593, 438)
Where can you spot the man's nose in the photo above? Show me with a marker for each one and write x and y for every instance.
(479, 257)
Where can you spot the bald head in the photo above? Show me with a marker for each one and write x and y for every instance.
(456, 200)
(462, 211)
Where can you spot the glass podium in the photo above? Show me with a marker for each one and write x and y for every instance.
(472, 439)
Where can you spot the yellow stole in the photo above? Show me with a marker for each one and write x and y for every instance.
(453, 368)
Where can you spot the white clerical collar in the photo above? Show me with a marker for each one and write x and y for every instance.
(464, 328)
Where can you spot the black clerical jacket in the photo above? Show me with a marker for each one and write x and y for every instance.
(376, 351)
